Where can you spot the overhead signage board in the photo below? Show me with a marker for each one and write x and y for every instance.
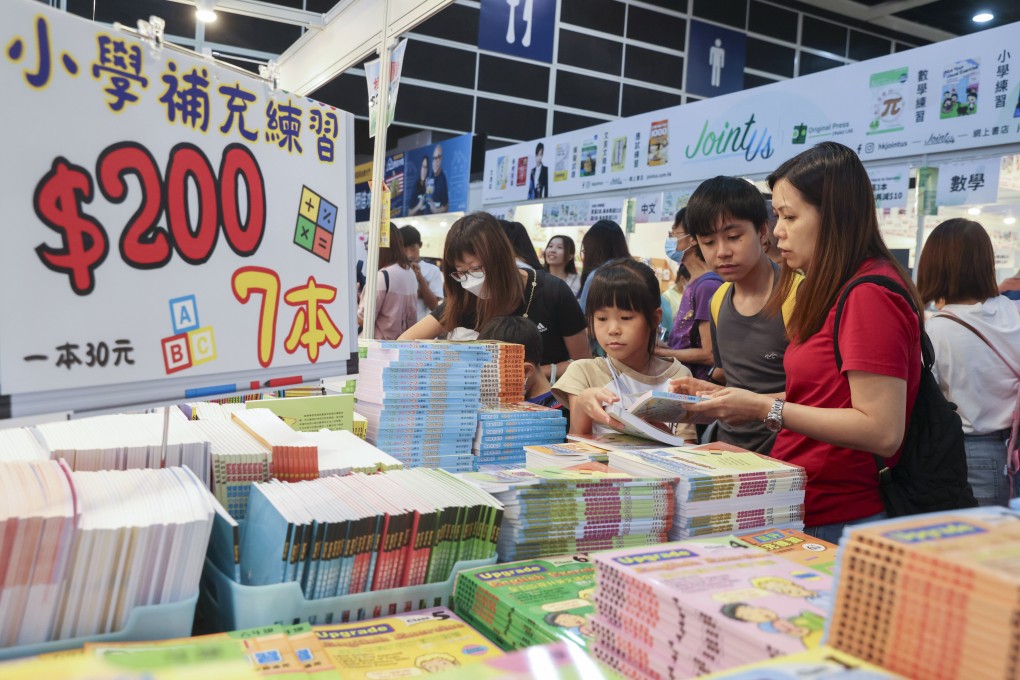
(889, 107)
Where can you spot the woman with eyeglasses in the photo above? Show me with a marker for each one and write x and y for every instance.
(483, 281)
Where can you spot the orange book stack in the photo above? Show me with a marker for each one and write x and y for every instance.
(932, 596)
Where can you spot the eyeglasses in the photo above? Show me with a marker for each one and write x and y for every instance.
(438, 157)
(473, 273)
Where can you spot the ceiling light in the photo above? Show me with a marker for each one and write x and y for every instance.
(983, 17)
(973, 211)
(1009, 220)
(204, 11)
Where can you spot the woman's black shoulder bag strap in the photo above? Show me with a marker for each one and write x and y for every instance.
(931, 474)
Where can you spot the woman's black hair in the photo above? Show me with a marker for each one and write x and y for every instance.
(626, 284)
(603, 242)
(519, 239)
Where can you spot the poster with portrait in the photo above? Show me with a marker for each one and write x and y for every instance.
(436, 177)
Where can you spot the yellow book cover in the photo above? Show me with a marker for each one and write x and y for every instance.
(311, 414)
(427, 641)
(221, 659)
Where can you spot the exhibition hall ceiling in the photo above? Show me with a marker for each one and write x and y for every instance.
(954, 17)
(910, 17)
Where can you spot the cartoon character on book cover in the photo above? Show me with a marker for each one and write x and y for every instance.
(960, 88)
(574, 623)
(808, 626)
(436, 662)
(784, 586)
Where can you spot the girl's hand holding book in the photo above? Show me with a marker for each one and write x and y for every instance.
(590, 402)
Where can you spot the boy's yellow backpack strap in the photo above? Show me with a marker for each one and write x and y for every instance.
(717, 300)
(790, 300)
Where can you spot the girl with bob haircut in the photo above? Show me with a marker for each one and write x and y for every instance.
(833, 422)
(605, 241)
(623, 315)
(483, 281)
(559, 261)
(977, 352)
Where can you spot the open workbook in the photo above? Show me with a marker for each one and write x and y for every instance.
(643, 412)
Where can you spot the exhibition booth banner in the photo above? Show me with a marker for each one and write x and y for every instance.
(957, 94)
(393, 176)
(170, 219)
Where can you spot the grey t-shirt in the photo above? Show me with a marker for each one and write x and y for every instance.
(750, 349)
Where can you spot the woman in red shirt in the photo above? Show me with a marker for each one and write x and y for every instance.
(833, 423)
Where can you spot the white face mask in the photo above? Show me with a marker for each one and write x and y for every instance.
(475, 286)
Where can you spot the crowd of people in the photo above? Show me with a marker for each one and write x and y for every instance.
(769, 319)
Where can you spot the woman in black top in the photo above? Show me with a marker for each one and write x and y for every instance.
(483, 281)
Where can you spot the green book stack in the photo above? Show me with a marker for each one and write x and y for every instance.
(532, 602)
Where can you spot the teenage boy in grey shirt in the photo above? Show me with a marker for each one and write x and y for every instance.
(728, 218)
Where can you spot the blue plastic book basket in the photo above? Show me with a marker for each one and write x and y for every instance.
(227, 605)
(155, 622)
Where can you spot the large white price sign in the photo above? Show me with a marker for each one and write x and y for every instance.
(174, 227)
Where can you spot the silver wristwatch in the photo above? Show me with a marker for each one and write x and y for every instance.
(774, 420)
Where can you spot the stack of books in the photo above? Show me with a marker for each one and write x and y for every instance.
(563, 455)
(795, 545)
(615, 441)
(689, 608)
(20, 443)
(503, 373)
(221, 659)
(406, 645)
(210, 410)
(932, 596)
(505, 429)
(821, 663)
(581, 509)
(531, 602)
(360, 426)
(557, 661)
(311, 413)
(239, 460)
(81, 550)
(290, 651)
(292, 456)
(342, 452)
(421, 400)
(722, 489)
(342, 535)
(127, 441)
